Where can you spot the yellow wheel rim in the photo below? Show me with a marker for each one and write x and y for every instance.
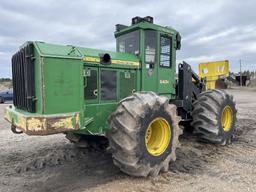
(227, 118)
(158, 136)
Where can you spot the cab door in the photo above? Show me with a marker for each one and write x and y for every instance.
(150, 61)
(166, 67)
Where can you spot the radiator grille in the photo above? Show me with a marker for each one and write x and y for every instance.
(23, 79)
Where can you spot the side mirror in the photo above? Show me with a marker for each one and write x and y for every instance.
(178, 41)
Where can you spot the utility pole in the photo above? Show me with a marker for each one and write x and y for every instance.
(240, 62)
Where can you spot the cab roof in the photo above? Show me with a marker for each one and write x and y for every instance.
(143, 23)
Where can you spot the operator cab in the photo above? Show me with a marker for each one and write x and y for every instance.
(156, 48)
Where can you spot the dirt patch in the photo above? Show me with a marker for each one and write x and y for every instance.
(5, 85)
(51, 163)
(252, 83)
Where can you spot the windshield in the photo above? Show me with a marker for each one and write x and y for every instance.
(128, 43)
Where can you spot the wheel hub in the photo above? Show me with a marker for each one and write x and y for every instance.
(227, 118)
(157, 137)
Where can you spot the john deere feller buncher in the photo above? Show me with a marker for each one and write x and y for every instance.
(131, 96)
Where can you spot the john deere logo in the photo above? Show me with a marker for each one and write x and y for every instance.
(164, 81)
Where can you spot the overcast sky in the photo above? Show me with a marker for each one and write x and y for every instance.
(210, 30)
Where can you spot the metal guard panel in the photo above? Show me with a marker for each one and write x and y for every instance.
(42, 124)
(214, 70)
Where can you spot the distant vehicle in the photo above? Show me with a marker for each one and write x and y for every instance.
(6, 96)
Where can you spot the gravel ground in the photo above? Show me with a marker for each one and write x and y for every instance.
(51, 163)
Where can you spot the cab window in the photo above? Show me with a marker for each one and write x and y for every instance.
(150, 46)
(129, 43)
(165, 51)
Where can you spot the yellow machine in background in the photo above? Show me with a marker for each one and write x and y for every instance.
(213, 71)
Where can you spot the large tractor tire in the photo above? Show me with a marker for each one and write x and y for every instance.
(214, 117)
(143, 134)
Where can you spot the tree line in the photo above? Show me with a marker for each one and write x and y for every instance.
(250, 74)
(5, 80)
